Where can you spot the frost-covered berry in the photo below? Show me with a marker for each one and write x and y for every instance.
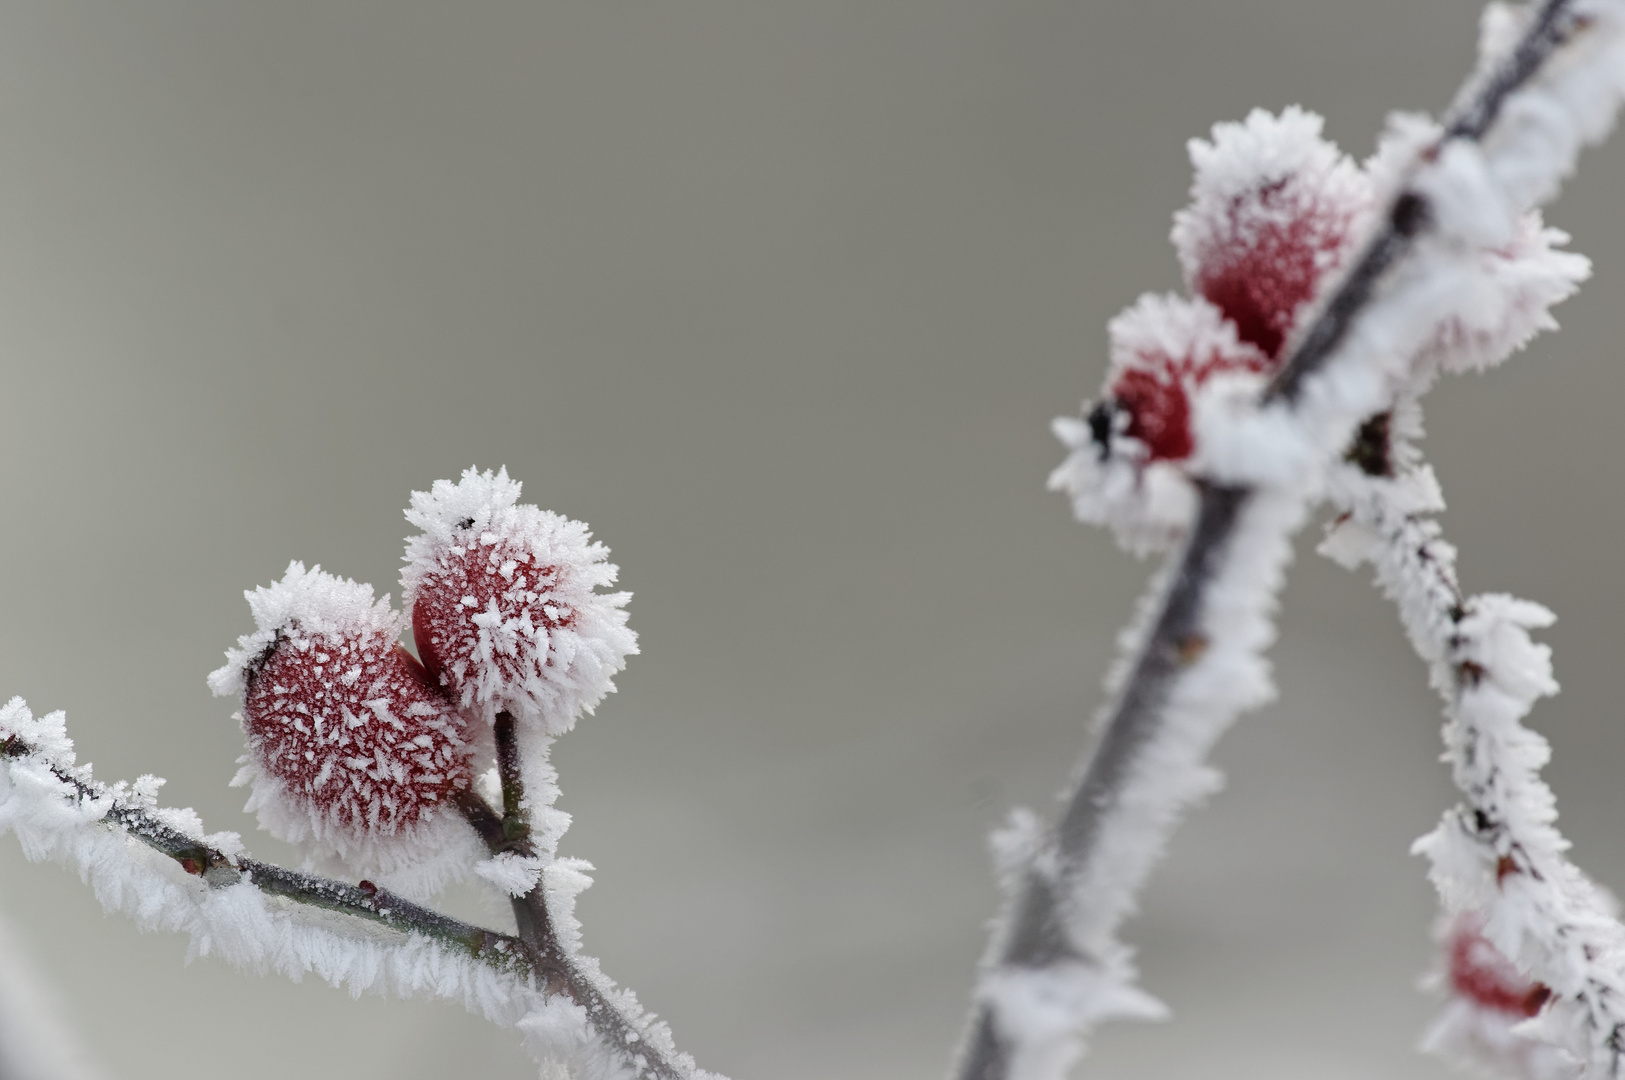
(352, 749)
(1164, 349)
(505, 605)
(1274, 208)
(1125, 465)
(1480, 974)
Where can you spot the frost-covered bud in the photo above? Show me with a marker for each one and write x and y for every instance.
(352, 749)
(1125, 467)
(1274, 208)
(505, 606)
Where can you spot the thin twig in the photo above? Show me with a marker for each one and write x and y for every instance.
(364, 901)
(534, 954)
(512, 832)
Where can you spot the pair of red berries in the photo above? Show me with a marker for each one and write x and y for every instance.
(354, 745)
(1274, 210)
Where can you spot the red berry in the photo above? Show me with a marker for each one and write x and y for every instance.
(349, 740)
(1274, 209)
(487, 583)
(1163, 349)
(505, 608)
(1481, 974)
(1159, 414)
(353, 729)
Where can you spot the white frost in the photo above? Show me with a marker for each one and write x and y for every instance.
(236, 922)
(259, 932)
(511, 872)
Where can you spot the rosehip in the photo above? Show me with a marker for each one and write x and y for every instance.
(1479, 973)
(1274, 209)
(505, 609)
(1163, 349)
(350, 743)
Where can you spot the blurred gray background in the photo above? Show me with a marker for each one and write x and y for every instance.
(780, 298)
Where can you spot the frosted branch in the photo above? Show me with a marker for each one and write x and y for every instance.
(1054, 966)
(219, 869)
(157, 865)
(1497, 858)
(617, 1020)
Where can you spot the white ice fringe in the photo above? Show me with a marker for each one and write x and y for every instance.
(1499, 853)
(238, 922)
(1226, 675)
(1044, 1015)
(1489, 1042)
(322, 603)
